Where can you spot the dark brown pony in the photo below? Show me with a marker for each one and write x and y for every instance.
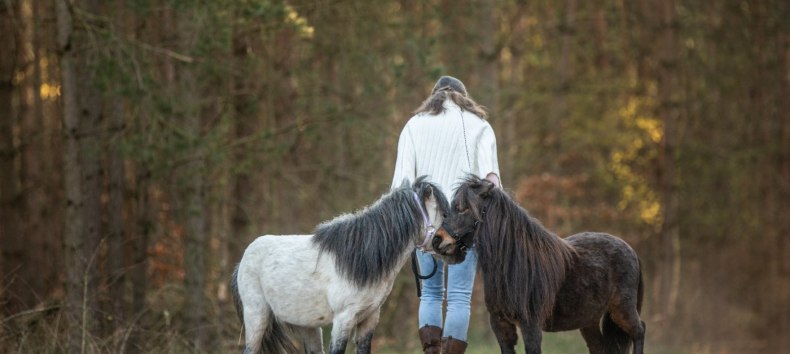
(540, 282)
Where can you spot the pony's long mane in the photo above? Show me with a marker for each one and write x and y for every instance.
(524, 264)
(367, 245)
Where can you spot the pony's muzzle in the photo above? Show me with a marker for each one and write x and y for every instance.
(443, 243)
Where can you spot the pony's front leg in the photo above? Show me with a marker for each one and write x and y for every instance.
(364, 343)
(341, 330)
(363, 334)
(533, 335)
(505, 332)
(338, 345)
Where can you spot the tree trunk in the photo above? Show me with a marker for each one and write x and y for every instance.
(488, 90)
(72, 172)
(245, 113)
(782, 247)
(37, 173)
(669, 113)
(30, 174)
(143, 227)
(81, 116)
(116, 259)
(193, 192)
(559, 110)
(10, 249)
(195, 249)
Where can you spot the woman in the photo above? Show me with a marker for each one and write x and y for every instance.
(447, 138)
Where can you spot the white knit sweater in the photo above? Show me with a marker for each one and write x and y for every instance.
(440, 147)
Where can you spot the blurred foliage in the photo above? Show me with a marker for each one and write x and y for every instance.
(299, 105)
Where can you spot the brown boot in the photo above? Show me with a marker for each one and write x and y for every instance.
(451, 345)
(431, 337)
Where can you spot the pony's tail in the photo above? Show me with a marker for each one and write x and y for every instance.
(275, 340)
(640, 290)
(615, 339)
(234, 291)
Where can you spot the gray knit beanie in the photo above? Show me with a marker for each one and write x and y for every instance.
(451, 83)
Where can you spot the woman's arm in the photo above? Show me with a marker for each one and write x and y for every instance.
(487, 161)
(405, 163)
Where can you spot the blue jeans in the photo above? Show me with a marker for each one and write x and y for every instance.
(460, 279)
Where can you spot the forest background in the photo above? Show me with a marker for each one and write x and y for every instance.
(145, 143)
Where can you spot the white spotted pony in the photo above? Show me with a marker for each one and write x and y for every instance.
(341, 275)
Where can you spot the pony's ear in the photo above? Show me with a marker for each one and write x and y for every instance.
(428, 192)
(405, 183)
(485, 188)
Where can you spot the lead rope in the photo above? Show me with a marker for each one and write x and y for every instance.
(416, 271)
(466, 145)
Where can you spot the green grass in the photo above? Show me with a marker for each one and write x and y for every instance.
(553, 343)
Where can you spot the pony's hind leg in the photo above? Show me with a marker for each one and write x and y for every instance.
(263, 333)
(256, 320)
(639, 344)
(627, 320)
(624, 308)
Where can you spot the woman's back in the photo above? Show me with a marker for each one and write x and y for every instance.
(446, 146)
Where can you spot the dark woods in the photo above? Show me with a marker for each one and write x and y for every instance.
(143, 144)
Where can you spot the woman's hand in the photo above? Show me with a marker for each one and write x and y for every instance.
(493, 178)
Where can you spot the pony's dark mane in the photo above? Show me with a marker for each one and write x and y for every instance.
(525, 263)
(368, 244)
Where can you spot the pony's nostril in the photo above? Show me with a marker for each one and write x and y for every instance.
(436, 242)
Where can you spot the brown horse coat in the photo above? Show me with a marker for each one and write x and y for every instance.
(540, 282)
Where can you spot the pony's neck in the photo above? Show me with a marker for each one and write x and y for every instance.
(523, 262)
(371, 245)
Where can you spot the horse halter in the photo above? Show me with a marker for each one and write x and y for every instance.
(430, 230)
(458, 237)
